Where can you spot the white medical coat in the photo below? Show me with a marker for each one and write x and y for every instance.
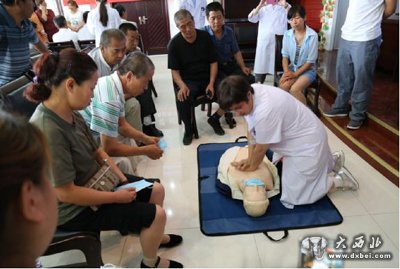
(272, 21)
(94, 25)
(198, 11)
(293, 131)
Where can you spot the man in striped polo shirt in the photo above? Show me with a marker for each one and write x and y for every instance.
(16, 32)
(106, 113)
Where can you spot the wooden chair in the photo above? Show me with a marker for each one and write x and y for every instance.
(314, 89)
(202, 101)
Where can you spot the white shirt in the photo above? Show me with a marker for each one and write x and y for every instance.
(74, 19)
(96, 27)
(293, 131)
(363, 20)
(197, 9)
(65, 34)
(84, 34)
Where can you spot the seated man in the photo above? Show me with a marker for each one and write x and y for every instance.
(147, 107)
(230, 59)
(64, 33)
(108, 56)
(83, 33)
(106, 113)
(193, 63)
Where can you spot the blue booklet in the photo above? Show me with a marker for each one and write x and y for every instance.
(139, 185)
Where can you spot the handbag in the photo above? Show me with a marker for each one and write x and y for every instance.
(105, 179)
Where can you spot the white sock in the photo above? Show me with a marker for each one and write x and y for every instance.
(147, 121)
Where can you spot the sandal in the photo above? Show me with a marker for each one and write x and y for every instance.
(172, 264)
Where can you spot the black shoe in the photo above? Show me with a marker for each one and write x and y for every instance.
(174, 240)
(216, 125)
(230, 120)
(152, 130)
(172, 264)
(187, 138)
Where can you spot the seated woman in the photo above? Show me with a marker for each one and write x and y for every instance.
(65, 84)
(299, 54)
(28, 207)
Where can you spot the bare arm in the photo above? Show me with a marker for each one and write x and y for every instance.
(390, 8)
(77, 195)
(239, 59)
(101, 155)
(184, 91)
(41, 47)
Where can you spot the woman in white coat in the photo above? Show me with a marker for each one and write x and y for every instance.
(271, 18)
(101, 18)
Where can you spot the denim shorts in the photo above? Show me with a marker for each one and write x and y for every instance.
(311, 74)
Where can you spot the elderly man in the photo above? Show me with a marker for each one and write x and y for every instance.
(106, 113)
(193, 62)
(16, 32)
(108, 56)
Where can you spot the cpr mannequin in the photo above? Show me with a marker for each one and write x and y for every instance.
(254, 187)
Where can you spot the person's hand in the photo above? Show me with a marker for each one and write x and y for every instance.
(183, 93)
(125, 196)
(262, 3)
(246, 70)
(241, 165)
(288, 75)
(153, 151)
(210, 91)
(149, 140)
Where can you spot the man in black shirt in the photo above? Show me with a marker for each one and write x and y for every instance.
(193, 62)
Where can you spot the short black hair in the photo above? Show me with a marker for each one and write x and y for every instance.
(60, 21)
(127, 26)
(120, 8)
(214, 6)
(233, 90)
(296, 9)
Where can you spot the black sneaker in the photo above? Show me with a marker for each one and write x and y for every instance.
(216, 125)
(187, 138)
(152, 130)
(230, 120)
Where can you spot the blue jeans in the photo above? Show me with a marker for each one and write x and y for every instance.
(355, 68)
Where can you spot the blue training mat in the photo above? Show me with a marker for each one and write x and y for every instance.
(222, 215)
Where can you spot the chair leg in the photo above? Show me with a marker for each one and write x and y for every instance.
(209, 109)
(153, 89)
(203, 107)
(194, 124)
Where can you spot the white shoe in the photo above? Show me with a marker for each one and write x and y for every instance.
(346, 180)
(338, 157)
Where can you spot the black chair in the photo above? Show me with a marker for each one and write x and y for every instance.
(58, 46)
(202, 101)
(86, 45)
(12, 99)
(313, 90)
(87, 242)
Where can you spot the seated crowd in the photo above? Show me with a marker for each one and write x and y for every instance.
(96, 107)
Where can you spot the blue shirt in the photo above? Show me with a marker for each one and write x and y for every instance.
(14, 46)
(308, 51)
(227, 46)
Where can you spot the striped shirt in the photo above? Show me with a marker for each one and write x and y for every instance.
(14, 46)
(107, 106)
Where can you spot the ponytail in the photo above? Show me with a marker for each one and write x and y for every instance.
(103, 13)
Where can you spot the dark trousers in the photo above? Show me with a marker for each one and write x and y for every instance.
(197, 88)
(232, 68)
(147, 107)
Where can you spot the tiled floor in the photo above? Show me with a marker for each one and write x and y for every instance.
(373, 210)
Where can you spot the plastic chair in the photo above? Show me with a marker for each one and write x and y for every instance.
(58, 46)
(86, 45)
